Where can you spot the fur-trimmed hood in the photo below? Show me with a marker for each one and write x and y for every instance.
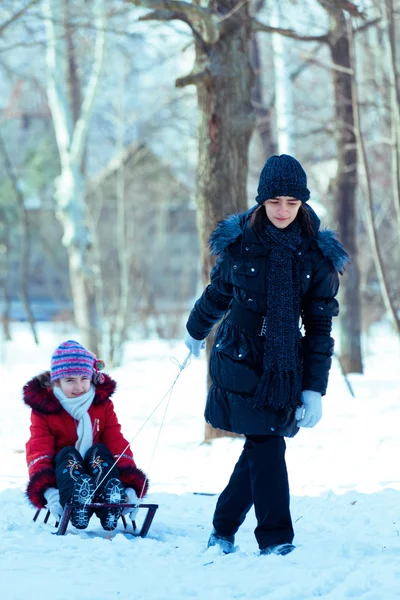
(228, 230)
(38, 393)
(333, 249)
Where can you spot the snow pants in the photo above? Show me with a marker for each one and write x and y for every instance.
(259, 478)
(69, 465)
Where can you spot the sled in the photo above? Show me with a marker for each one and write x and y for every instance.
(68, 508)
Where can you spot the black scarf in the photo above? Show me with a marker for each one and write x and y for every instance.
(280, 384)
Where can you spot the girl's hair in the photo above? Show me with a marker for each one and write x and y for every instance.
(259, 218)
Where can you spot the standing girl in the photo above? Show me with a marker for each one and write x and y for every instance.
(76, 440)
(274, 266)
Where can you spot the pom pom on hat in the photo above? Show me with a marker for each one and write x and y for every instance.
(98, 366)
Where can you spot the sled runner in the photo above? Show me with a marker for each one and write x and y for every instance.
(63, 524)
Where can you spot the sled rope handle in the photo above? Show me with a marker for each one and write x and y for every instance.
(167, 395)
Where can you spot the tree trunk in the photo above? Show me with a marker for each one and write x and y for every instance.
(77, 240)
(345, 194)
(394, 104)
(24, 262)
(71, 116)
(4, 274)
(226, 123)
(84, 299)
(262, 112)
(372, 229)
(24, 257)
(123, 250)
(284, 111)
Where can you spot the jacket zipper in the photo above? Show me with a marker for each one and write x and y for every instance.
(96, 427)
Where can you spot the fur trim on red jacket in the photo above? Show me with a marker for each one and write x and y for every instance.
(38, 484)
(38, 393)
(134, 478)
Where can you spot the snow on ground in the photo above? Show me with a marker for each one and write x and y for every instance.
(344, 474)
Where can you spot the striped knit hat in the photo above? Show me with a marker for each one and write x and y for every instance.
(71, 359)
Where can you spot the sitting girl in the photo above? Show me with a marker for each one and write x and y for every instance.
(76, 441)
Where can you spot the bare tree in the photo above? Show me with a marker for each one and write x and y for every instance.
(4, 272)
(262, 112)
(345, 186)
(381, 262)
(224, 79)
(71, 118)
(25, 238)
(394, 102)
(13, 18)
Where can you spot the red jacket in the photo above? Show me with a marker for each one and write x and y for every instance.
(52, 428)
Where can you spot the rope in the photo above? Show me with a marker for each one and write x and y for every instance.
(167, 395)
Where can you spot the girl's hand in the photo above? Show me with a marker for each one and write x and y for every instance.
(194, 345)
(52, 496)
(131, 499)
(310, 413)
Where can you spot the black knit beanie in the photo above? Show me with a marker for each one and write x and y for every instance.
(282, 176)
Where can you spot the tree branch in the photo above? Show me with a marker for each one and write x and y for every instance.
(237, 7)
(257, 26)
(366, 25)
(192, 78)
(56, 89)
(169, 15)
(82, 125)
(161, 15)
(330, 66)
(322, 39)
(17, 15)
(5, 49)
(327, 130)
(333, 6)
(196, 16)
(71, 139)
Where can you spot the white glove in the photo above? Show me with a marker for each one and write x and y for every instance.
(310, 413)
(131, 498)
(53, 503)
(194, 345)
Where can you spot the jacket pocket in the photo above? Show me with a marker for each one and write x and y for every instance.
(251, 268)
(233, 347)
(233, 360)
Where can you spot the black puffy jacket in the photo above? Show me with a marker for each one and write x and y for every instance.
(240, 273)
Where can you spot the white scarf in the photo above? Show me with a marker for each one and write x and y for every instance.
(78, 409)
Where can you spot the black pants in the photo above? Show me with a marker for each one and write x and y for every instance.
(69, 465)
(259, 478)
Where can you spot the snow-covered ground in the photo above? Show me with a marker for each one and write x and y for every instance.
(344, 474)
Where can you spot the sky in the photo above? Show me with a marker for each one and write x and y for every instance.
(344, 476)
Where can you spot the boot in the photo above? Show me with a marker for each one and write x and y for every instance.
(225, 542)
(113, 493)
(279, 549)
(82, 495)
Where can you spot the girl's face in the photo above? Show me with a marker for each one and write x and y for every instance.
(282, 210)
(74, 386)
